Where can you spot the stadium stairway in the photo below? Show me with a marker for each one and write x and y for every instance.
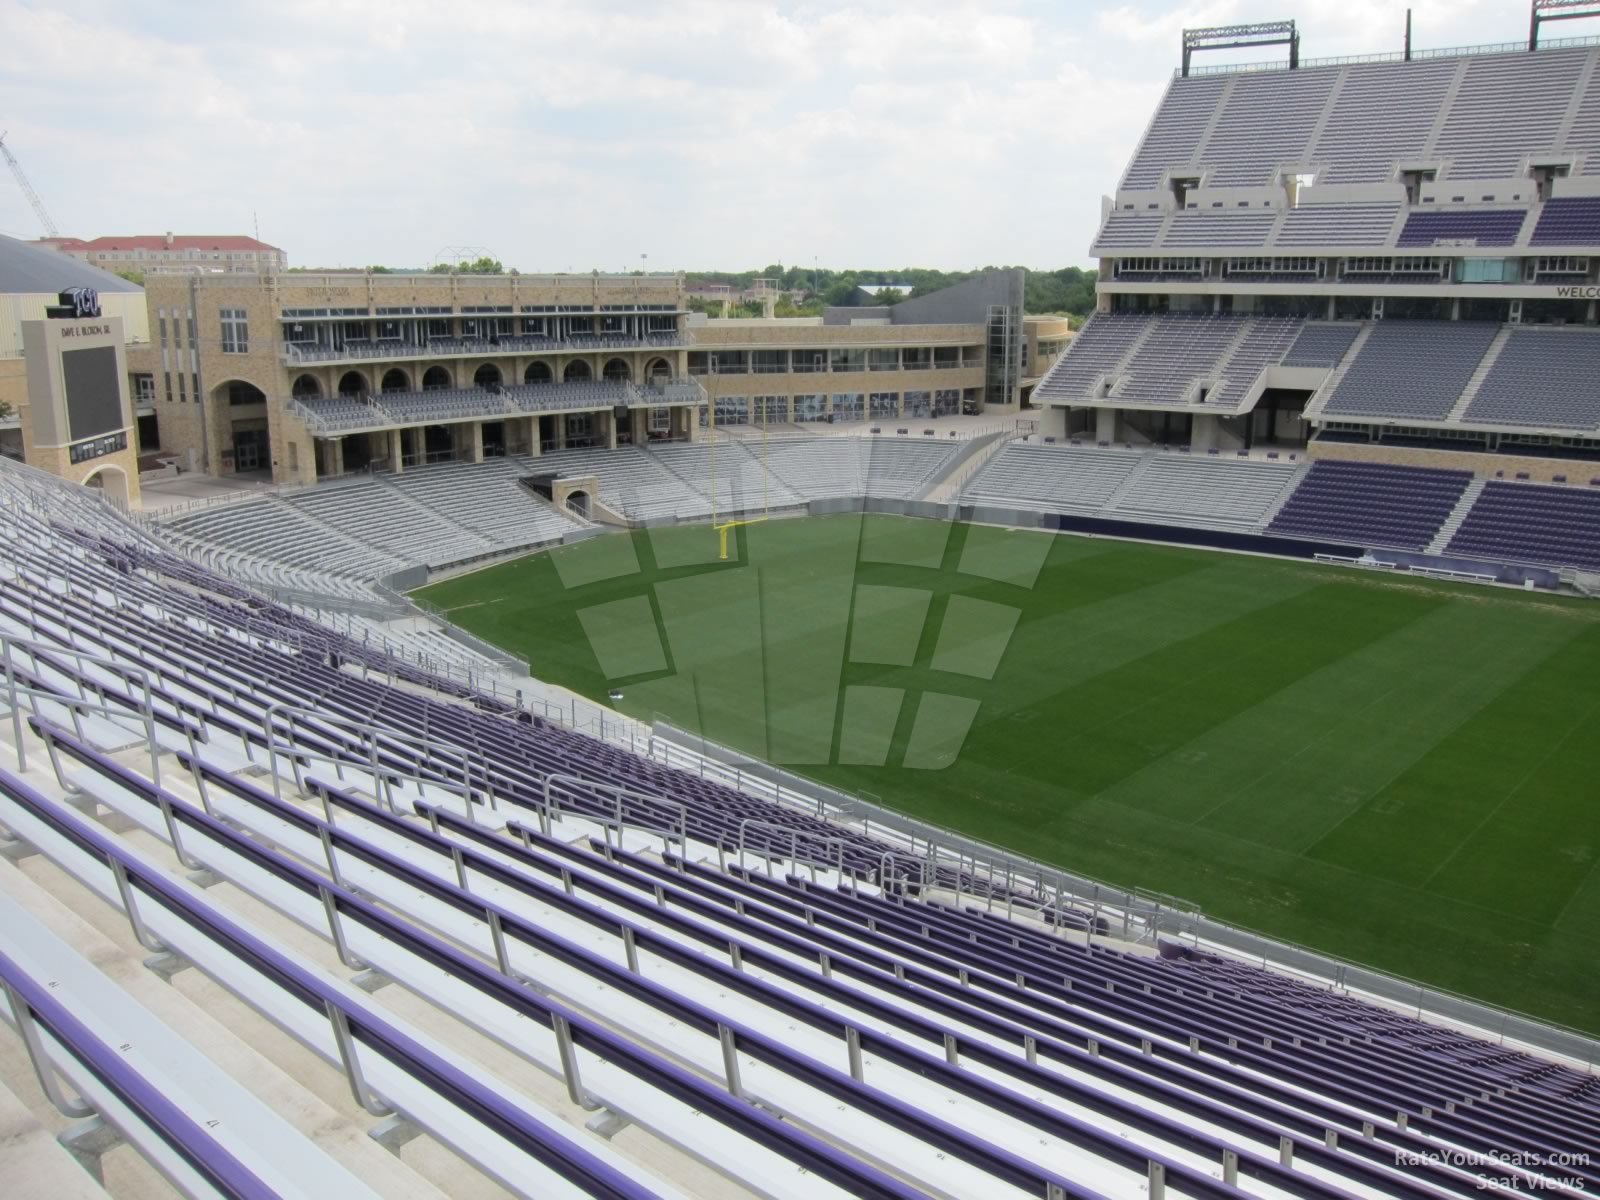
(473, 538)
(968, 461)
(1331, 384)
(1129, 482)
(1458, 514)
(1300, 471)
(1485, 365)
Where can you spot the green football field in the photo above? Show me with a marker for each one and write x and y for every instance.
(1401, 773)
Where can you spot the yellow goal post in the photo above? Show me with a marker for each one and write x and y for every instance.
(723, 528)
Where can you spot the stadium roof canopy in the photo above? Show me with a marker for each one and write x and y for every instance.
(30, 269)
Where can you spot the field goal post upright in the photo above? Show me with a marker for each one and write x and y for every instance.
(723, 528)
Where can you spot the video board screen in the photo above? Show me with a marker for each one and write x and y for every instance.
(94, 395)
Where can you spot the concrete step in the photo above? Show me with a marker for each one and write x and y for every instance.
(1457, 515)
(295, 1083)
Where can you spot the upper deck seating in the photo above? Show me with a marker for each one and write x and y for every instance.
(1337, 225)
(1321, 344)
(1412, 369)
(1453, 227)
(1180, 350)
(1098, 347)
(1266, 121)
(1505, 106)
(1356, 123)
(1547, 377)
(1264, 344)
(1379, 117)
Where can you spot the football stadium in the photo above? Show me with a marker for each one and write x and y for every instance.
(566, 744)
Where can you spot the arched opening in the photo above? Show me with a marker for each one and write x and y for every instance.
(395, 380)
(242, 394)
(305, 387)
(113, 481)
(537, 372)
(353, 383)
(240, 412)
(435, 378)
(657, 370)
(616, 371)
(486, 376)
(577, 372)
(578, 502)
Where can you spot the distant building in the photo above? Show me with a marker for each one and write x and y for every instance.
(68, 385)
(305, 376)
(174, 252)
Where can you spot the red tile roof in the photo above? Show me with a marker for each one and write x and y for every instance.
(180, 241)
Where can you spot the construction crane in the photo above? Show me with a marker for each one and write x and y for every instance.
(27, 190)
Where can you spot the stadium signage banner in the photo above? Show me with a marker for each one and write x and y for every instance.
(1576, 292)
(73, 331)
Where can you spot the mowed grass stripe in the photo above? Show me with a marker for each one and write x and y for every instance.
(1534, 849)
(1287, 771)
(1088, 617)
(1431, 809)
(1123, 720)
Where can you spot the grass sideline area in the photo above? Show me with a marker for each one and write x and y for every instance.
(1400, 772)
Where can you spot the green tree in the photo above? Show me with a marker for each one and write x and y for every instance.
(133, 276)
(478, 266)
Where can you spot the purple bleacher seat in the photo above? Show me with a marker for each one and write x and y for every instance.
(1568, 221)
(1321, 344)
(1412, 369)
(1479, 227)
(1372, 503)
(1547, 377)
(1534, 523)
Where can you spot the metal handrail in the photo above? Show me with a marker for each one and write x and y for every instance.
(14, 689)
(551, 810)
(795, 858)
(383, 777)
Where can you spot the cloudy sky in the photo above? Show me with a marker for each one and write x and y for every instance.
(579, 134)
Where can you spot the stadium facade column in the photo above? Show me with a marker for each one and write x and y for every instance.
(1203, 431)
(397, 458)
(1105, 425)
(475, 444)
(336, 456)
(534, 448)
(1053, 421)
(611, 429)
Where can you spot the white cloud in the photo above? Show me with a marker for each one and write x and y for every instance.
(582, 133)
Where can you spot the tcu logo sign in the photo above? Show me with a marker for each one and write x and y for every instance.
(84, 301)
